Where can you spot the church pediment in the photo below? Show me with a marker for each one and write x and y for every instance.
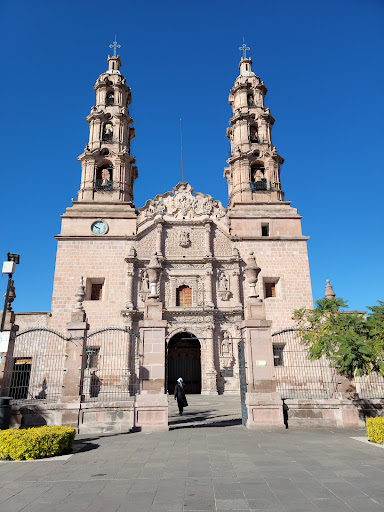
(183, 204)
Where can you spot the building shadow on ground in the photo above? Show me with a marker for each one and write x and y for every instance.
(203, 420)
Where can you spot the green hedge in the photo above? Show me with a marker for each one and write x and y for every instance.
(375, 430)
(35, 443)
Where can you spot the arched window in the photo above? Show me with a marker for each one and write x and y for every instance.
(107, 132)
(110, 100)
(250, 100)
(184, 296)
(253, 135)
(258, 180)
(104, 177)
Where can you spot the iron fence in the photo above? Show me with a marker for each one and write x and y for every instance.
(34, 373)
(296, 376)
(370, 386)
(110, 372)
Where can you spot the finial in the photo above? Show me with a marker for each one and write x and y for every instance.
(329, 293)
(244, 48)
(80, 296)
(114, 46)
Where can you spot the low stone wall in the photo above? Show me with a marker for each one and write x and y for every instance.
(331, 413)
(87, 418)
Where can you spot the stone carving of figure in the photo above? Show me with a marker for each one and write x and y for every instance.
(226, 345)
(258, 175)
(184, 240)
(144, 281)
(223, 282)
(105, 176)
(161, 206)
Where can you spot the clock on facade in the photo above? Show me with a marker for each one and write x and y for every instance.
(99, 227)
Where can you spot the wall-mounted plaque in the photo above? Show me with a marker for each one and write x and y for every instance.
(226, 372)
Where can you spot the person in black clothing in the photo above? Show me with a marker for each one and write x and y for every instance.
(179, 395)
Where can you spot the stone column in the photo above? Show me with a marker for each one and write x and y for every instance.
(210, 381)
(130, 276)
(159, 239)
(208, 251)
(208, 287)
(236, 287)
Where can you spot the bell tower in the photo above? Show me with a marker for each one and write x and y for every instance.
(253, 174)
(108, 170)
(105, 199)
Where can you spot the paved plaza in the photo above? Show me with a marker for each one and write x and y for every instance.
(207, 462)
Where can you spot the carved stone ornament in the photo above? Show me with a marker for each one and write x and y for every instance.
(182, 204)
(184, 240)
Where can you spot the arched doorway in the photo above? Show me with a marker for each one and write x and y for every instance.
(184, 361)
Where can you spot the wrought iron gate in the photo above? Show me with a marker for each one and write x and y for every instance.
(109, 369)
(243, 381)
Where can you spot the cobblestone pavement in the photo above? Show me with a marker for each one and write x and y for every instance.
(207, 462)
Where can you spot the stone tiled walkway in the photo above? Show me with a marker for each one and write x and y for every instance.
(211, 468)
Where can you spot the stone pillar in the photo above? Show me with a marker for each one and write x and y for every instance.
(130, 275)
(210, 381)
(208, 251)
(208, 287)
(159, 239)
(75, 356)
(151, 405)
(236, 287)
(264, 405)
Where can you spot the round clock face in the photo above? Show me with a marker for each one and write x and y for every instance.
(99, 227)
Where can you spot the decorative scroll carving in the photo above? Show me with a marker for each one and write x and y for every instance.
(182, 204)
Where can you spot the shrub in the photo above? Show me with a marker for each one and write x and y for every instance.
(375, 430)
(35, 443)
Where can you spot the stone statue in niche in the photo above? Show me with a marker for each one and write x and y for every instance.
(226, 350)
(144, 287)
(106, 177)
(223, 289)
(184, 239)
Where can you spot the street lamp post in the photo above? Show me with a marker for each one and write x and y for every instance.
(9, 268)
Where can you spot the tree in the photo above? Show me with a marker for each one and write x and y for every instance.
(351, 341)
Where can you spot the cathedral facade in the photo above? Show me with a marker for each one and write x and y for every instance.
(182, 250)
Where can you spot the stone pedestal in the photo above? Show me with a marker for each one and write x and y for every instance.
(151, 405)
(264, 405)
(151, 412)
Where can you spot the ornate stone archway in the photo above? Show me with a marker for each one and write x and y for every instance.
(184, 360)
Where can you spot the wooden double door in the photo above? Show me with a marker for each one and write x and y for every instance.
(184, 361)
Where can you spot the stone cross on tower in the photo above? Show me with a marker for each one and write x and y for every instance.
(244, 48)
(115, 45)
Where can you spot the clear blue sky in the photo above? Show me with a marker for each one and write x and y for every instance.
(321, 62)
